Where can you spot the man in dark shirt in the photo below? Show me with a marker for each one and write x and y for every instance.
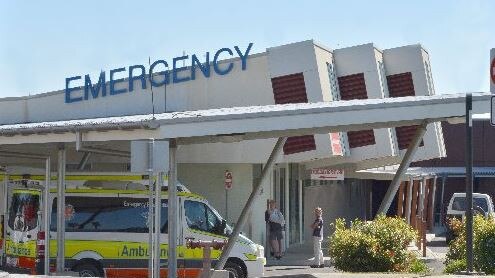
(275, 222)
(317, 227)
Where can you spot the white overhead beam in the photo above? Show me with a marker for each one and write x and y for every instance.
(69, 137)
(259, 122)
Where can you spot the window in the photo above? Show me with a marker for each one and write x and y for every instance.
(200, 217)
(214, 223)
(23, 211)
(459, 203)
(107, 214)
(196, 215)
(334, 87)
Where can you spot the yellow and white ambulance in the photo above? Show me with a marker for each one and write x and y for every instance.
(107, 229)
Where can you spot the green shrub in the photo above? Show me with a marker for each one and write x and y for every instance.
(483, 246)
(418, 266)
(456, 266)
(374, 246)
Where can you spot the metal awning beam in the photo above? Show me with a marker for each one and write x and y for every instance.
(277, 149)
(256, 122)
(399, 175)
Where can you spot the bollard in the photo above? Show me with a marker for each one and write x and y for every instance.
(207, 246)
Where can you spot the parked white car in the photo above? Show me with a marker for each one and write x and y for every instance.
(482, 204)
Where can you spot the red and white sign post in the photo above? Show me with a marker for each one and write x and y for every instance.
(228, 180)
(228, 186)
(327, 174)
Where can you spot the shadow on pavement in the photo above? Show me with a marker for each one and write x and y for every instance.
(288, 268)
(437, 243)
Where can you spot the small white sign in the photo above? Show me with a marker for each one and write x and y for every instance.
(327, 174)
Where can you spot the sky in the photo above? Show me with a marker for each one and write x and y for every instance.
(43, 42)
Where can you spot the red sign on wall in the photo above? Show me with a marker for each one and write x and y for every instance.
(228, 180)
(327, 174)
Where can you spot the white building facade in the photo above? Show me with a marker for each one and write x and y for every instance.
(295, 73)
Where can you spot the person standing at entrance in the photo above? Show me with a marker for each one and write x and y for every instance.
(317, 227)
(275, 223)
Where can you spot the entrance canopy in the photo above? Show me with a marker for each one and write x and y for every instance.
(254, 122)
(227, 125)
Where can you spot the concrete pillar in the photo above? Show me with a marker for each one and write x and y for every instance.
(61, 210)
(46, 215)
(172, 211)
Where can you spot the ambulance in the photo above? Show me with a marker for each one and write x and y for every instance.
(106, 224)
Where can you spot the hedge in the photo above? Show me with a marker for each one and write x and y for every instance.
(374, 246)
(483, 246)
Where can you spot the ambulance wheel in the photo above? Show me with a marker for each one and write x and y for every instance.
(234, 269)
(88, 270)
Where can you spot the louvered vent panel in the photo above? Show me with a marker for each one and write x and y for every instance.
(292, 89)
(354, 87)
(289, 89)
(361, 138)
(401, 85)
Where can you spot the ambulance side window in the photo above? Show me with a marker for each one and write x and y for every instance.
(214, 223)
(107, 214)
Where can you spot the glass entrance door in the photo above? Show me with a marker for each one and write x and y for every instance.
(294, 204)
(279, 194)
(287, 194)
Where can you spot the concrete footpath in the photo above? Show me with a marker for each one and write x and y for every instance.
(296, 261)
(362, 275)
(7, 275)
(298, 272)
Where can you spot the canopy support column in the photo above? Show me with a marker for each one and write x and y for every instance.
(61, 210)
(151, 218)
(172, 210)
(469, 183)
(158, 225)
(406, 161)
(250, 202)
(5, 193)
(46, 215)
(4, 212)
